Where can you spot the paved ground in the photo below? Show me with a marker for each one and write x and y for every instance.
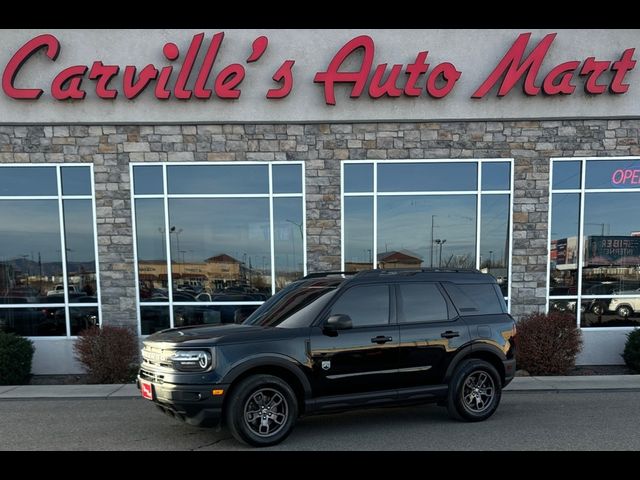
(602, 420)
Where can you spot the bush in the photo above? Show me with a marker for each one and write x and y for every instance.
(16, 355)
(108, 354)
(547, 344)
(631, 354)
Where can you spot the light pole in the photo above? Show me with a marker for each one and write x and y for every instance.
(440, 243)
(299, 225)
(490, 258)
(432, 218)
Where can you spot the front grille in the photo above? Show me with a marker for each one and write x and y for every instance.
(151, 377)
(156, 357)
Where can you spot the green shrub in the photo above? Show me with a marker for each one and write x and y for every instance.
(547, 344)
(16, 355)
(108, 354)
(631, 353)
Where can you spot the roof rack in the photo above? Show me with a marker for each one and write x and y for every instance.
(327, 274)
(410, 271)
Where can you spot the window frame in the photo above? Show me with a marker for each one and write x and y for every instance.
(165, 196)
(478, 192)
(582, 191)
(60, 198)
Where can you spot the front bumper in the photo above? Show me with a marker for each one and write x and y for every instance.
(193, 404)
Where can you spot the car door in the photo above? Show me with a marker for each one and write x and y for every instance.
(430, 333)
(363, 358)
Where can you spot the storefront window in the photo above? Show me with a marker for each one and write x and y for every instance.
(48, 265)
(595, 241)
(223, 239)
(428, 214)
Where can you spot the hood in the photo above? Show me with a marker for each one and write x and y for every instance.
(214, 334)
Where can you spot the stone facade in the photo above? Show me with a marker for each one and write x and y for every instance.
(322, 147)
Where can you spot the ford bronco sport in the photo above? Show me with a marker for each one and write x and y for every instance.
(335, 341)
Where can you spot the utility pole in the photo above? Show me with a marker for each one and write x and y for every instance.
(431, 248)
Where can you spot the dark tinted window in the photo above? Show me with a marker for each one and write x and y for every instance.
(358, 177)
(147, 180)
(475, 299)
(421, 302)
(366, 305)
(76, 180)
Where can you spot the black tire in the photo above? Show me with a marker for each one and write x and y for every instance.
(244, 403)
(467, 400)
(624, 311)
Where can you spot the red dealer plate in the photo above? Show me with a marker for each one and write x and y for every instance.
(146, 389)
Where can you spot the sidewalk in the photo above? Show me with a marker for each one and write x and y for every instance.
(519, 384)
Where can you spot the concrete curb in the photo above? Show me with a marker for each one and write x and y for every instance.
(519, 384)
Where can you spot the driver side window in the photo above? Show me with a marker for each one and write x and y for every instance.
(366, 305)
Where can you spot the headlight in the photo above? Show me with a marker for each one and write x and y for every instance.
(190, 360)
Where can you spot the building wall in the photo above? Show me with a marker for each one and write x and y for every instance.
(322, 147)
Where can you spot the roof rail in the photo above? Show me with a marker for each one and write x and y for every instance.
(326, 274)
(410, 271)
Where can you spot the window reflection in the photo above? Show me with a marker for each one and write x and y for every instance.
(30, 253)
(153, 319)
(211, 314)
(220, 245)
(496, 175)
(427, 231)
(151, 239)
(494, 238)
(79, 241)
(221, 179)
(28, 181)
(287, 178)
(358, 233)
(421, 177)
(565, 217)
(618, 174)
(147, 180)
(566, 175)
(76, 180)
(82, 318)
(288, 229)
(358, 177)
(33, 322)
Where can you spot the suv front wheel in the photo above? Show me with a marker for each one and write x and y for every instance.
(474, 391)
(261, 410)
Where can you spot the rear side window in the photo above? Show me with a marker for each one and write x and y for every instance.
(475, 299)
(421, 302)
(366, 305)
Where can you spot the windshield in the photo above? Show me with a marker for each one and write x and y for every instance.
(293, 307)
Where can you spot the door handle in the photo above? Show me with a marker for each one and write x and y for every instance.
(380, 339)
(449, 334)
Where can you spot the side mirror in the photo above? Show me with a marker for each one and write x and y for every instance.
(337, 322)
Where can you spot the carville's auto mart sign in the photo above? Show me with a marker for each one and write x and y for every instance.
(157, 76)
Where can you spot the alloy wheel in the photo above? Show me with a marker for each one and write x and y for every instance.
(478, 391)
(266, 412)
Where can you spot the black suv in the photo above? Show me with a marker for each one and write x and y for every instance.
(335, 341)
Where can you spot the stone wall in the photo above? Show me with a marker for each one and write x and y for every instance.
(322, 147)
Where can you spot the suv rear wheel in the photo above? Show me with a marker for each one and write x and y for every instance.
(261, 410)
(474, 391)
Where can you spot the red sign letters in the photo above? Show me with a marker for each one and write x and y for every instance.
(419, 78)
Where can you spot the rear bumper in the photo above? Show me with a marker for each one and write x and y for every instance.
(509, 370)
(193, 404)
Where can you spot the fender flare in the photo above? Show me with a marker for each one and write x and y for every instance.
(466, 351)
(269, 360)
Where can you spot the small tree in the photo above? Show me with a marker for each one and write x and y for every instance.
(547, 344)
(16, 355)
(108, 354)
(631, 354)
